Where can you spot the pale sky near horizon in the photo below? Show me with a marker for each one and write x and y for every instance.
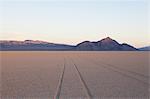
(73, 21)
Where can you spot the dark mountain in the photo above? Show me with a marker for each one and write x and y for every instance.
(106, 44)
(147, 48)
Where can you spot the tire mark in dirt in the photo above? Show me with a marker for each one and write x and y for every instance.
(116, 67)
(82, 81)
(59, 86)
(116, 70)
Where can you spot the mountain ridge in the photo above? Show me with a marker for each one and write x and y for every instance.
(146, 48)
(106, 44)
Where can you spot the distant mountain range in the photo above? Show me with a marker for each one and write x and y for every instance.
(106, 44)
(147, 48)
(32, 45)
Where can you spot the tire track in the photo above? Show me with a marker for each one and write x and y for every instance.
(82, 81)
(106, 66)
(116, 67)
(58, 90)
(124, 74)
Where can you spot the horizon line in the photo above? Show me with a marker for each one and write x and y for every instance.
(69, 43)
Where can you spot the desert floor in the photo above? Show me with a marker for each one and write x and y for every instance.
(74, 75)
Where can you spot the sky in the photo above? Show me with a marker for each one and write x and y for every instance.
(74, 21)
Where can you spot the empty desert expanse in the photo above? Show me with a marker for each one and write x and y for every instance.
(74, 75)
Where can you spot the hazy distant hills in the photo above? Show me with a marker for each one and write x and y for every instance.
(147, 48)
(32, 45)
(106, 44)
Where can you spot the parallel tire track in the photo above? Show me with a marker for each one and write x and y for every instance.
(121, 69)
(58, 90)
(116, 67)
(106, 66)
(124, 74)
(83, 82)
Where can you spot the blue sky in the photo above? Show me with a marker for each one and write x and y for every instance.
(73, 21)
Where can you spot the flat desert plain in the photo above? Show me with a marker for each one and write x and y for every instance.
(74, 75)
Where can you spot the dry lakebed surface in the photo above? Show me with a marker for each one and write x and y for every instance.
(74, 74)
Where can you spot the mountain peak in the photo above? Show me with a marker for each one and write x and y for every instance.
(106, 44)
(107, 39)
